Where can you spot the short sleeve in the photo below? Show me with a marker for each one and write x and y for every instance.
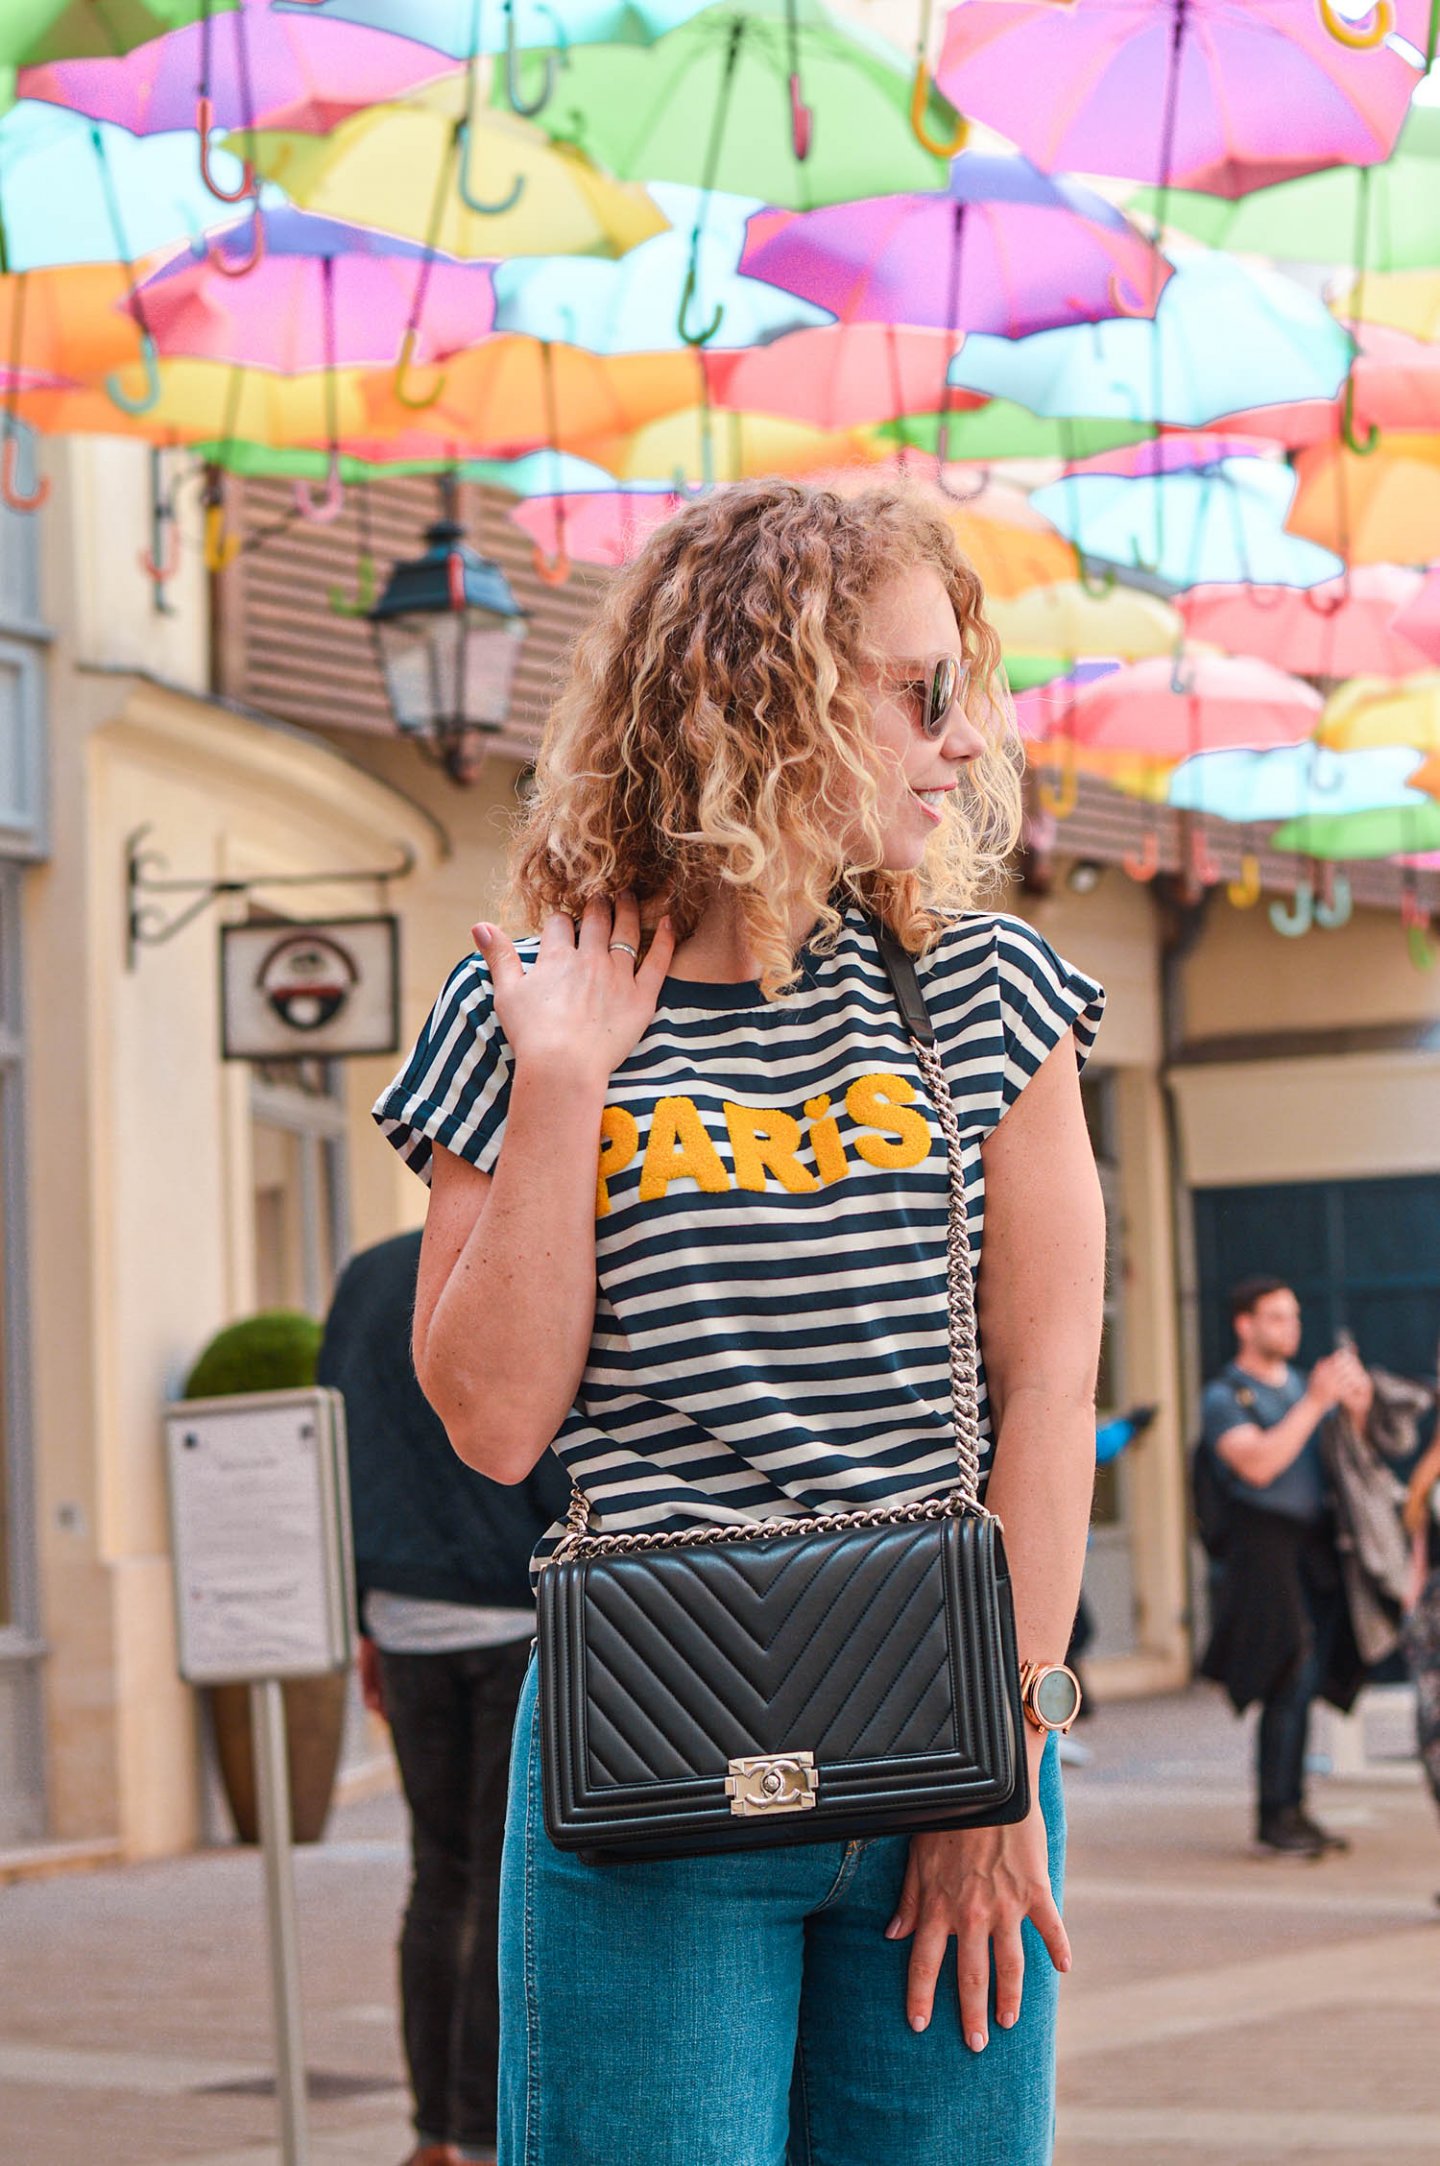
(1221, 1411)
(455, 1087)
(1041, 997)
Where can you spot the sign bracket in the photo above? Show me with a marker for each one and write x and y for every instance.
(148, 924)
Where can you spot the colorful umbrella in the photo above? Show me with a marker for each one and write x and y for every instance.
(1295, 782)
(1224, 524)
(40, 30)
(511, 395)
(596, 528)
(1368, 712)
(1224, 95)
(1419, 619)
(416, 169)
(1384, 507)
(320, 294)
(1010, 546)
(1406, 301)
(1065, 619)
(1024, 254)
(1225, 336)
(976, 430)
(196, 400)
(77, 191)
(699, 447)
(1181, 453)
(1393, 833)
(781, 99)
(68, 322)
(838, 376)
(635, 305)
(253, 67)
(450, 26)
(1343, 628)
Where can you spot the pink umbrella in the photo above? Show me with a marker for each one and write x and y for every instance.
(1218, 95)
(1419, 620)
(1163, 710)
(321, 294)
(608, 527)
(1342, 628)
(1179, 452)
(838, 376)
(256, 68)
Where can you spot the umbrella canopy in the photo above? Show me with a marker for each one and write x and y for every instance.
(78, 191)
(1342, 628)
(1003, 249)
(256, 65)
(197, 400)
(1295, 782)
(699, 446)
(1180, 453)
(1066, 620)
(399, 167)
(1393, 833)
(1008, 544)
(1368, 712)
(321, 293)
(68, 322)
(450, 26)
(1419, 618)
(1221, 700)
(711, 103)
(510, 395)
(1406, 301)
(1378, 508)
(981, 430)
(596, 528)
(39, 30)
(1224, 524)
(635, 305)
(838, 376)
(1225, 336)
(1258, 91)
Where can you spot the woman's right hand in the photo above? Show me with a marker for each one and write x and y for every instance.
(583, 1005)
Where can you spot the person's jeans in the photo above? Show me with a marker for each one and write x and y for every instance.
(451, 1718)
(746, 2010)
(1285, 1716)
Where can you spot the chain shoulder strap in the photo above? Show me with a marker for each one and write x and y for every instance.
(964, 1335)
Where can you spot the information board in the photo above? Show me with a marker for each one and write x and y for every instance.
(260, 1523)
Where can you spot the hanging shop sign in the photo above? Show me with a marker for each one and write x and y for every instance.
(320, 990)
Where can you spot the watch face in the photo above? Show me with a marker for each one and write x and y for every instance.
(1056, 1698)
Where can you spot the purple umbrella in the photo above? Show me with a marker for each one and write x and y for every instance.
(322, 294)
(1219, 95)
(1026, 253)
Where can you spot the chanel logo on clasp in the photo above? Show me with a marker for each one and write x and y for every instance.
(773, 1782)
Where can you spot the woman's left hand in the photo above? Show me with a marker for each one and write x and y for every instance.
(978, 1884)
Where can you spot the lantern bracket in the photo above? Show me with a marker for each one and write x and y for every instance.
(150, 924)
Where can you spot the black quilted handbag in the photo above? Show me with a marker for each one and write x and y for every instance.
(855, 1673)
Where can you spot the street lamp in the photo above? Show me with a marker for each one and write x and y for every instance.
(448, 633)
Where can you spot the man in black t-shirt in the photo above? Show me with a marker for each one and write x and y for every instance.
(1263, 1422)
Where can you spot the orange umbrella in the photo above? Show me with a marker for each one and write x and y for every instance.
(1381, 508)
(68, 320)
(510, 394)
(1011, 547)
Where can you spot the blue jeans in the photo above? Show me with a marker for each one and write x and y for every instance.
(746, 2010)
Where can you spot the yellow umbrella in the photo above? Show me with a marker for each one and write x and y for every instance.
(1369, 712)
(1405, 300)
(699, 445)
(422, 170)
(1383, 508)
(1137, 774)
(1066, 620)
(510, 394)
(201, 401)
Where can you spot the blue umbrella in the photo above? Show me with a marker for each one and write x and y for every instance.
(633, 305)
(74, 190)
(1225, 337)
(1225, 523)
(460, 27)
(1296, 782)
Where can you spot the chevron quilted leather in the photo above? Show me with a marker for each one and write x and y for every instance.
(887, 1653)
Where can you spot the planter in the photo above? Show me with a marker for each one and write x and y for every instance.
(314, 1735)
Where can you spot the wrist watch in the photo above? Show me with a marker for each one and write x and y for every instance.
(1049, 1695)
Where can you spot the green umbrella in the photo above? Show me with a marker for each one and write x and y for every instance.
(1398, 831)
(1001, 430)
(1378, 218)
(1025, 671)
(780, 99)
(32, 31)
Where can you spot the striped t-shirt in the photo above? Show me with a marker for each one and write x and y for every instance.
(770, 1319)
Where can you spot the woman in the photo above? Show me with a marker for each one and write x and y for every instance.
(1420, 1634)
(785, 717)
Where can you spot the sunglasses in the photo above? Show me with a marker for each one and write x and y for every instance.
(942, 688)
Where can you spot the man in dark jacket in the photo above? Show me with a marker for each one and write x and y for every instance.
(1281, 1630)
(446, 1618)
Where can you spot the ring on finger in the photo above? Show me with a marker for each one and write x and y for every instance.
(625, 949)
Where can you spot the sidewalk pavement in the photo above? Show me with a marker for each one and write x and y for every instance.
(1223, 2011)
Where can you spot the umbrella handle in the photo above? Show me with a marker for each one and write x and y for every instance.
(1060, 799)
(802, 122)
(229, 266)
(160, 571)
(220, 549)
(1295, 920)
(364, 602)
(687, 298)
(414, 402)
(1144, 863)
(556, 570)
(1335, 905)
(919, 106)
(1422, 950)
(1351, 35)
(467, 194)
(1362, 450)
(150, 396)
(1244, 890)
(1202, 865)
(330, 505)
(1096, 584)
(204, 120)
(16, 498)
(1121, 302)
(527, 108)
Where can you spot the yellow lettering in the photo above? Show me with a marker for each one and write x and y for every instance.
(680, 1150)
(885, 1102)
(767, 1142)
(830, 1161)
(619, 1141)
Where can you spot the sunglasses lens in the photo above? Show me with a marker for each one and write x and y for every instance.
(944, 685)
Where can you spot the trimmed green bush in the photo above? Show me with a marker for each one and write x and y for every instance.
(274, 1351)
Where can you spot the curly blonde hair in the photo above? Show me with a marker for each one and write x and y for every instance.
(715, 729)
